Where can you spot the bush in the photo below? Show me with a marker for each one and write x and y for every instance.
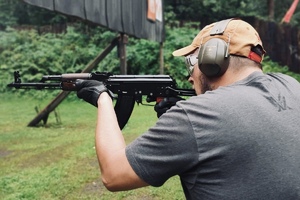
(270, 66)
(35, 55)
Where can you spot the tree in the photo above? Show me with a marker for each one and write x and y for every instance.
(208, 11)
(271, 9)
(6, 15)
(16, 12)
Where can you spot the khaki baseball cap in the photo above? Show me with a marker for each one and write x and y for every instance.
(240, 35)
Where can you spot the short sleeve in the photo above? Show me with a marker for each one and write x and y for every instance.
(167, 149)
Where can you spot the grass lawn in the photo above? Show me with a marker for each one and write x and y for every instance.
(58, 161)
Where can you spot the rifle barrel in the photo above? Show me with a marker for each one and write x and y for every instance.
(35, 85)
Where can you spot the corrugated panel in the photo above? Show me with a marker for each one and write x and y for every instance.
(49, 4)
(71, 7)
(137, 18)
(126, 16)
(149, 26)
(114, 15)
(145, 30)
(96, 11)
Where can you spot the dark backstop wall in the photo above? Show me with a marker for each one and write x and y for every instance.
(125, 16)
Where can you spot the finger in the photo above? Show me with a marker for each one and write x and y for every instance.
(163, 103)
(78, 84)
(81, 93)
(160, 110)
(175, 99)
(81, 83)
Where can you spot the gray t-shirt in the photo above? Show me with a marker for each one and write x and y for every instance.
(241, 141)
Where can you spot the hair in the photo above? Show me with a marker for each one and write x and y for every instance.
(237, 63)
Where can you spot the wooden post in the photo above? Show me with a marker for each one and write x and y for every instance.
(43, 115)
(161, 58)
(123, 40)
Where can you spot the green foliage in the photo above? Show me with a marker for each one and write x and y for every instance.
(35, 55)
(142, 57)
(17, 12)
(224, 9)
(175, 66)
(270, 66)
(7, 17)
(207, 11)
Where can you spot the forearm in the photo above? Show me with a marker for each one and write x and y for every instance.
(109, 138)
(117, 174)
(116, 171)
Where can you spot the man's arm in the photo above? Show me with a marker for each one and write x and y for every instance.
(117, 174)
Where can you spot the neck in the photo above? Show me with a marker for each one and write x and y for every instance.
(231, 77)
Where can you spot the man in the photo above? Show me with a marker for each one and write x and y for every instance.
(238, 139)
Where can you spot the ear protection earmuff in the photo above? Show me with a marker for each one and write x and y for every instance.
(213, 56)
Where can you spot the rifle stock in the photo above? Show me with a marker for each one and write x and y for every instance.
(128, 88)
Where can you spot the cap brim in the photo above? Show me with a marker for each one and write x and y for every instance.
(184, 51)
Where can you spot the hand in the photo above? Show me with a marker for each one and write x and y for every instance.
(166, 104)
(90, 90)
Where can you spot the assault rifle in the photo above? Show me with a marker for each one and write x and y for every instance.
(128, 88)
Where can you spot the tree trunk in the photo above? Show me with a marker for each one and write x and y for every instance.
(271, 10)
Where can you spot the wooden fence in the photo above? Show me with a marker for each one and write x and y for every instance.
(281, 41)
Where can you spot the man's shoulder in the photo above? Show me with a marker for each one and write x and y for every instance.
(281, 76)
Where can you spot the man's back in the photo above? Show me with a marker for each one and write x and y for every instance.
(248, 141)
